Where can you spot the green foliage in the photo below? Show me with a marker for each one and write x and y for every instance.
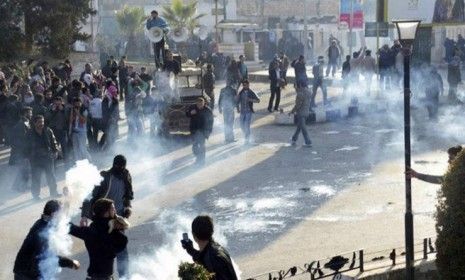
(182, 15)
(450, 222)
(130, 20)
(193, 271)
(10, 32)
(52, 26)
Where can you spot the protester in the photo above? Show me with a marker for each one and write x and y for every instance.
(369, 69)
(116, 186)
(243, 70)
(123, 72)
(274, 75)
(144, 76)
(110, 114)
(318, 81)
(454, 77)
(170, 65)
(208, 83)
(434, 86)
(103, 243)
(210, 255)
(452, 152)
(302, 111)
(159, 48)
(35, 248)
(42, 150)
(233, 75)
(301, 79)
(384, 64)
(96, 119)
(226, 106)
(201, 125)
(78, 130)
(333, 58)
(58, 121)
(18, 154)
(245, 100)
(346, 74)
(283, 66)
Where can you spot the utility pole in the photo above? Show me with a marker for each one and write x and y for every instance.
(351, 23)
(216, 21)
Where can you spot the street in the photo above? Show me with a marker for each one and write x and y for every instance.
(274, 205)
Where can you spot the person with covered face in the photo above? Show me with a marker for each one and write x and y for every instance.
(117, 186)
(433, 179)
(35, 248)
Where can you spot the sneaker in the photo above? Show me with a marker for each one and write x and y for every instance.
(307, 145)
(293, 143)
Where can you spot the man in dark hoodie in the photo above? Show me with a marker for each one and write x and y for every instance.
(103, 243)
(19, 149)
(35, 247)
(211, 255)
(117, 186)
(200, 126)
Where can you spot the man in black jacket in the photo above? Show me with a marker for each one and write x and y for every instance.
(42, 151)
(274, 74)
(19, 149)
(35, 247)
(200, 126)
(102, 243)
(58, 120)
(117, 186)
(211, 255)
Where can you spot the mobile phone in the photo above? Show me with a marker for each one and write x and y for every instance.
(185, 236)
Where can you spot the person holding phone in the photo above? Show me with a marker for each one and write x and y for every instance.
(210, 255)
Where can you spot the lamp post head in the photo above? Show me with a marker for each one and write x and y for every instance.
(407, 30)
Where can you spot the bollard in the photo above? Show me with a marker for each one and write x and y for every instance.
(361, 260)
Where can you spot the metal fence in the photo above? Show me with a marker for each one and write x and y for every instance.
(354, 262)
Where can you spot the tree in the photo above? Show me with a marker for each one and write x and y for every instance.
(130, 22)
(54, 25)
(11, 37)
(180, 15)
(450, 222)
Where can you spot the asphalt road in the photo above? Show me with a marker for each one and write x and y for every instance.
(259, 195)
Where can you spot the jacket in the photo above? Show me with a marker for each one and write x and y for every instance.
(101, 246)
(32, 251)
(208, 81)
(202, 120)
(101, 191)
(302, 103)
(19, 134)
(369, 64)
(41, 147)
(227, 99)
(215, 259)
(157, 22)
(273, 76)
(248, 99)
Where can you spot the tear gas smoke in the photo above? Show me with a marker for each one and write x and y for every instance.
(80, 181)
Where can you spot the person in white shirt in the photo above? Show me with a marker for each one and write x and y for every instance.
(96, 119)
(78, 130)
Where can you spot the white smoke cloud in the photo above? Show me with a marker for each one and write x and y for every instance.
(80, 181)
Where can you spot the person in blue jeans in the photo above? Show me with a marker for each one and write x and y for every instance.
(302, 111)
(245, 100)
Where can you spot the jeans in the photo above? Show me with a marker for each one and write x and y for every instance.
(246, 119)
(22, 174)
(318, 82)
(159, 52)
(228, 118)
(333, 65)
(43, 165)
(301, 127)
(275, 92)
(122, 263)
(198, 147)
(79, 140)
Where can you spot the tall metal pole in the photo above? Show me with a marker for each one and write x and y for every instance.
(216, 21)
(408, 183)
(306, 30)
(351, 23)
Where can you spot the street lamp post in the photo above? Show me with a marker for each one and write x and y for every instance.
(407, 31)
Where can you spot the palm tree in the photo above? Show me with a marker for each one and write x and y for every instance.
(179, 15)
(130, 22)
